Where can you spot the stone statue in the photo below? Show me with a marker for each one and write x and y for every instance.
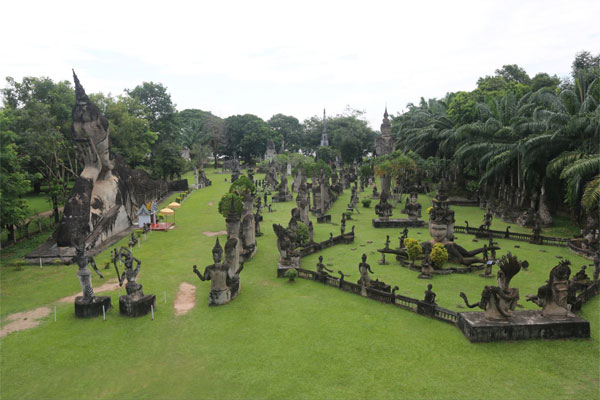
(321, 268)
(383, 209)
(132, 240)
(429, 295)
(220, 277)
(499, 301)
(84, 275)
(487, 219)
(581, 275)
(597, 266)
(412, 206)
(343, 226)
(387, 242)
(426, 267)
(105, 197)
(132, 287)
(552, 297)
(311, 232)
(364, 269)
(288, 257)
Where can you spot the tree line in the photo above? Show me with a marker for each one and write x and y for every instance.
(147, 130)
(536, 138)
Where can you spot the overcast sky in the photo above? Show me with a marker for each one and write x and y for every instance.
(293, 57)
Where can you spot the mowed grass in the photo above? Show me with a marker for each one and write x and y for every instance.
(282, 340)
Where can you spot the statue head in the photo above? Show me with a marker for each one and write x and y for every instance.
(438, 232)
(429, 286)
(509, 266)
(364, 257)
(217, 252)
(320, 259)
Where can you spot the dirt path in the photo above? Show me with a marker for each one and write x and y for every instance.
(44, 214)
(23, 320)
(110, 285)
(186, 299)
(215, 233)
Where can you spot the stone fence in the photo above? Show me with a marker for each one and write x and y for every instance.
(524, 237)
(406, 303)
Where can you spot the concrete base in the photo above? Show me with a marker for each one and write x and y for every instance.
(277, 198)
(398, 223)
(136, 307)
(529, 324)
(321, 219)
(94, 309)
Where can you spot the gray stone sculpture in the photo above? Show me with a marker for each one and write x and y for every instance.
(224, 284)
(552, 297)
(88, 305)
(499, 301)
(135, 303)
(106, 196)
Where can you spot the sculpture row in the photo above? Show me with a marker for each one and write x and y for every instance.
(134, 304)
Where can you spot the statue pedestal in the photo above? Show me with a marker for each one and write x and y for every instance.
(136, 307)
(281, 198)
(93, 309)
(321, 219)
(397, 223)
(219, 297)
(529, 324)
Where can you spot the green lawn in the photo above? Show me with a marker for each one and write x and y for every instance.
(282, 340)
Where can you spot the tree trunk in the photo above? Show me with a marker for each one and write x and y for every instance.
(543, 210)
(11, 232)
(215, 158)
(55, 208)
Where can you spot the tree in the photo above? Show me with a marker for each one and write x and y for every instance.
(247, 136)
(130, 134)
(462, 108)
(41, 112)
(13, 181)
(161, 115)
(326, 154)
(287, 129)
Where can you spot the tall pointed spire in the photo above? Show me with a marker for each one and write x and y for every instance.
(386, 125)
(324, 139)
(80, 95)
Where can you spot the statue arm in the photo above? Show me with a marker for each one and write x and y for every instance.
(95, 268)
(139, 265)
(369, 268)
(198, 273)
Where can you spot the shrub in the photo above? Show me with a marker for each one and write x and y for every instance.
(348, 214)
(413, 249)
(291, 274)
(225, 204)
(366, 203)
(302, 232)
(241, 185)
(439, 255)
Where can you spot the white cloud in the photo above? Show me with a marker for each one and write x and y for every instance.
(265, 57)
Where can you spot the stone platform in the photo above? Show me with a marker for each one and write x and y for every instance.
(398, 223)
(277, 198)
(528, 324)
(90, 310)
(321, 219)
(136, 307)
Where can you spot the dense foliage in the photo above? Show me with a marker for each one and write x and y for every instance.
(539, 137)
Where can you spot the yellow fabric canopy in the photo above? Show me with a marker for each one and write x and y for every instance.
(174, 205)
(167, 211)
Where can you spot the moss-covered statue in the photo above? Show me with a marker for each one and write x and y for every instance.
(499, 301)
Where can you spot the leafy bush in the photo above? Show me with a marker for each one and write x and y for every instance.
(291, 274)
(225, 204)
(439, 255)
(366, 203)
(241, 185)
(413, 249)
(302, 232)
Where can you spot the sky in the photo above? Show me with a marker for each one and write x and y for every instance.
(293, 57)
